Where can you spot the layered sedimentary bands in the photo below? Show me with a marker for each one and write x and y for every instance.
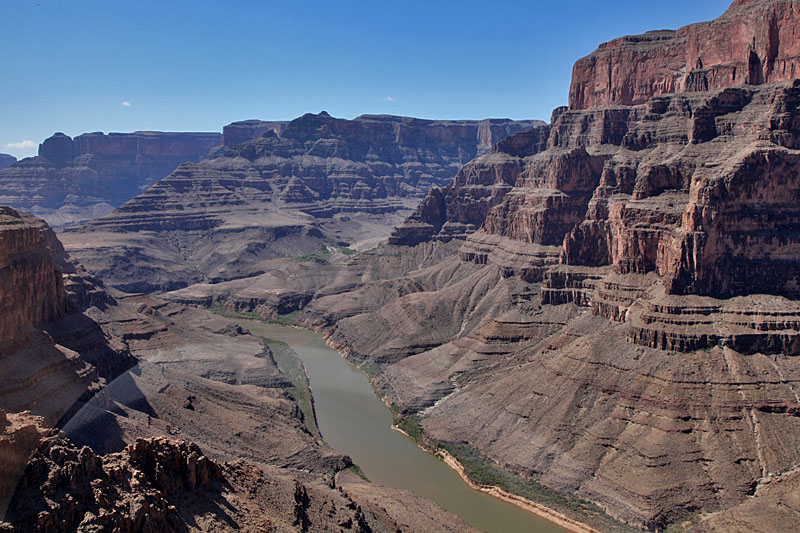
(67, 342)
(86, 177)
(279, 190)
(608, 304)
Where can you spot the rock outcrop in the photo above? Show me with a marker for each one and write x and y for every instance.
(20, 433)
(82, 178)
(244, 130)
(160, 484)
(322, 183)
(6, 160)
(754, 42)
(31, 286)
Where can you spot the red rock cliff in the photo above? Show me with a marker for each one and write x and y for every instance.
(31, 287)
(753, 42)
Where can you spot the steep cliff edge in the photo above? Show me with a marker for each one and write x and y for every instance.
(31, 287)
(323, 183)
(753, 42)
(86, 177)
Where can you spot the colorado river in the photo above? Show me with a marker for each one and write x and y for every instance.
(353, 420)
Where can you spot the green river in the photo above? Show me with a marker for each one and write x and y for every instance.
(353, 420)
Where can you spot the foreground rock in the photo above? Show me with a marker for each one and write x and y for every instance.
(72, 180)
(317, 185)
(163, 485)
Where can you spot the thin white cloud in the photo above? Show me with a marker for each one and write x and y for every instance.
(126, 103)
(390, 98)
(22, 145)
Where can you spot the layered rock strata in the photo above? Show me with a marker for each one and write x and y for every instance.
(86, 177)
(752, 43)
(31, 286)
(315, 184)
(613, 307)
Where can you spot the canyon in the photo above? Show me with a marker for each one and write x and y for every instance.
(316, 183)
(128, 379)
(604, 306)
(72, 180)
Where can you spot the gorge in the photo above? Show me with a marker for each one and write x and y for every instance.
(599, 313)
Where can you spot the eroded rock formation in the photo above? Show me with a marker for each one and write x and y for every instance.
(754, 42)
(322, 182)
(86, 177)
(159, 484)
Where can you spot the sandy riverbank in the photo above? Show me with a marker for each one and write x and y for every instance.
(530, 506)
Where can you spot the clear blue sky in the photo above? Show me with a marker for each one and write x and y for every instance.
(181, 65)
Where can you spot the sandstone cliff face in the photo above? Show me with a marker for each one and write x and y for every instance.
(31, 287)
(323, 183)
(460, 207)
(754, 42)
(697, 187)
(86, 177)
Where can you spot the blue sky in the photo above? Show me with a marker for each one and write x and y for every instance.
(179, 65)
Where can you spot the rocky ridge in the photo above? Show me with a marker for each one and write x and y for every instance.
(72, 180)
(322, 183)
(165, 485)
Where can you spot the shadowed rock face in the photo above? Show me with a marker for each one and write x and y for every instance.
(31, 288)
(82, 178)
(322, 182)
(7, 160)
(754, 42)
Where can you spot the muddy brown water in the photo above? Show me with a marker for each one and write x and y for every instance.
(354, 421)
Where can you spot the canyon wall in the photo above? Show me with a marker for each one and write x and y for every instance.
(322, 183)
(31, 287)
(754, 42)
(85, 177)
